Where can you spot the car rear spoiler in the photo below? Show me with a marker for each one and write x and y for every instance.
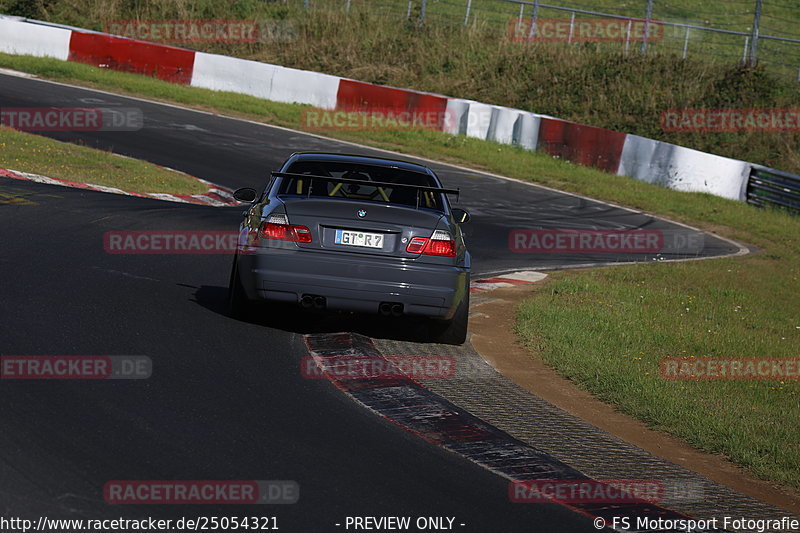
(457, 192)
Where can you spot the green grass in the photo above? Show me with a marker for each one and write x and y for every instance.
(608, 328)
(39, 155)
(779, 19)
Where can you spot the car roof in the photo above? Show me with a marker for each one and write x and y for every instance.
(360, 159)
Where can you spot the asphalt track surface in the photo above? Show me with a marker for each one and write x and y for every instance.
(226, 399)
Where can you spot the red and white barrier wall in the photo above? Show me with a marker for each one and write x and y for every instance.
(683, 169)
(262, 80)
(648, 160)
(21, 38)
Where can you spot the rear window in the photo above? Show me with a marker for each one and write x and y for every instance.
(339, 190)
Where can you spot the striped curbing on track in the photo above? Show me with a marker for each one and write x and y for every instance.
(506, 280)
(413, 407)
(216, 195)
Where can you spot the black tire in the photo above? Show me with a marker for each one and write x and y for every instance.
(238, 304)
(454, 331)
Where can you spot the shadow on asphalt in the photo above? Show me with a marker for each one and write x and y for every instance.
(293, 319)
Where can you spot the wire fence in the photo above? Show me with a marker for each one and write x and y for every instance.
(765, 32)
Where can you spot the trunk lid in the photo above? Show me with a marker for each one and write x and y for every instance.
(356, 227)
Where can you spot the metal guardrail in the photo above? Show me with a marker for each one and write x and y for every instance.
(768, 187)
(751, 41)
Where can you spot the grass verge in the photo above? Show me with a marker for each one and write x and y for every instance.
(607, 329)
(39, 155)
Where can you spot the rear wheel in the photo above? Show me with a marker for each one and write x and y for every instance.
(454, 331)
(238, 304)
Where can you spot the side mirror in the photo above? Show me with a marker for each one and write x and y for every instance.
(461, 216)
(245, 195)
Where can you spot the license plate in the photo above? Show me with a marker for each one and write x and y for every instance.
(359, 238)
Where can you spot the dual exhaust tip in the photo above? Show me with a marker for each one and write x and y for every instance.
(309, 300)
(390, 309)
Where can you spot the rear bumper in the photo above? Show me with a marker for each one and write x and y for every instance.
(354, 283)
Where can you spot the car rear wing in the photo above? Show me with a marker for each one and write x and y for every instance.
(378, 184)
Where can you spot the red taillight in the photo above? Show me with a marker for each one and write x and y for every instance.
(301, 234)
(283, 232)
(277, 228)
(440, 243)
(417, 245)
(443, 248)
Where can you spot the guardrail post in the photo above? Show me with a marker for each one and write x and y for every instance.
(754, 37)
(686, 42)
(423, 9)
(628, 35)
(466, 17)
(571, 27)
(648, 13)
(533, 19)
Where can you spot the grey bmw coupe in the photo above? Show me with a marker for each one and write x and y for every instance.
(354, 233)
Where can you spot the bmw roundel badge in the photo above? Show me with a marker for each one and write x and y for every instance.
(362, 213)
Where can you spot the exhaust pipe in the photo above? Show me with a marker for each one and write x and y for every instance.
(319, 302)
(390, 309)
(306, 301)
